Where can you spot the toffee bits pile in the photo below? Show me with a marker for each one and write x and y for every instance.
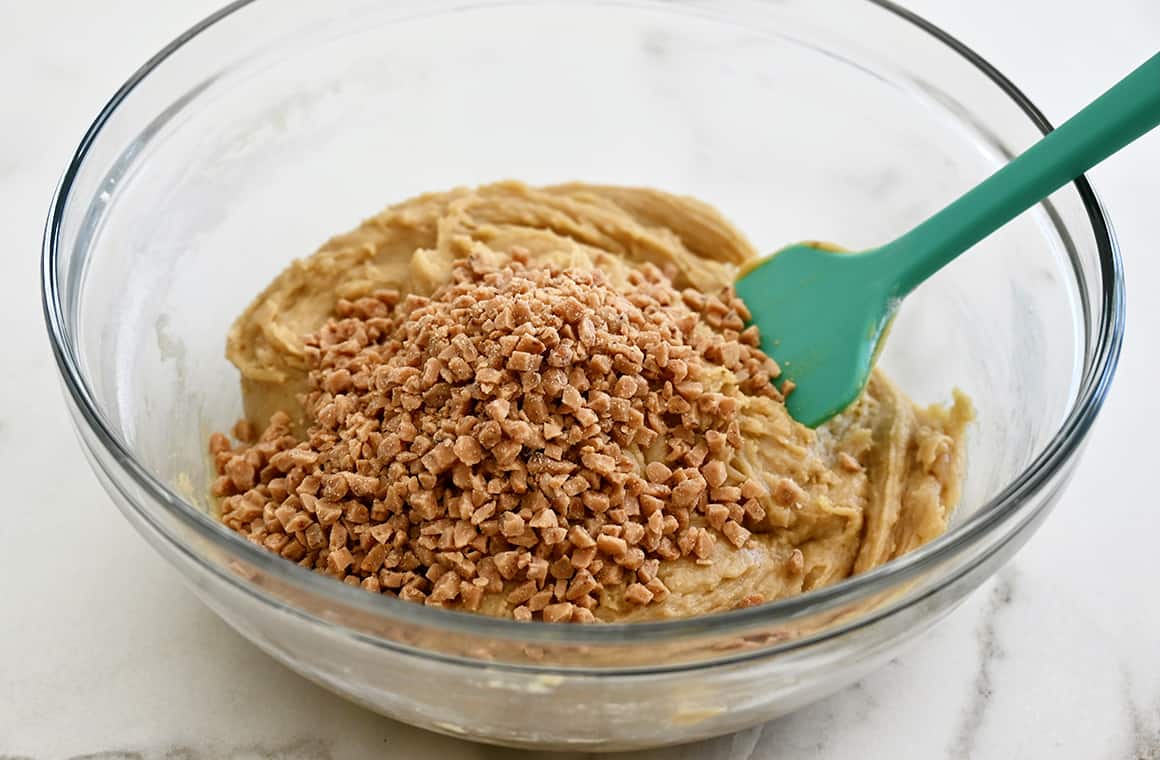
(528, 433)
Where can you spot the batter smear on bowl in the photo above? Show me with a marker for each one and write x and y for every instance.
(546, 404)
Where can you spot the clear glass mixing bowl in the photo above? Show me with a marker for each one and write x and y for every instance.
(272, 125)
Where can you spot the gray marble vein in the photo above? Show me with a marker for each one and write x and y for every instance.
(990, 650)
(1144, 722)
(303, 749)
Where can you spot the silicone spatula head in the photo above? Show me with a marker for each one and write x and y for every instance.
(822, 315)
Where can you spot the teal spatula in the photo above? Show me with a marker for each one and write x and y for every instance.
(823, 314)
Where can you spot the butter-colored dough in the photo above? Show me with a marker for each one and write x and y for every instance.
(878, 481)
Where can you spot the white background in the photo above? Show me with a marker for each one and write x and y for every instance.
(103, 651)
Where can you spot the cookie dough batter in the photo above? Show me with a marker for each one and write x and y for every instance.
(872, 484)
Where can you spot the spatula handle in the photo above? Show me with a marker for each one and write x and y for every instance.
(1116, 118)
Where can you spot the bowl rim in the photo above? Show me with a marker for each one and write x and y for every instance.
(1102, 351)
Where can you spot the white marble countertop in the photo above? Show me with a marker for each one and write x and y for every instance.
(110, 657)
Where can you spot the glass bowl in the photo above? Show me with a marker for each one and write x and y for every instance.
(271, 125)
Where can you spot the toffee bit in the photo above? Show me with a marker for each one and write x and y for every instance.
(482, 442)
